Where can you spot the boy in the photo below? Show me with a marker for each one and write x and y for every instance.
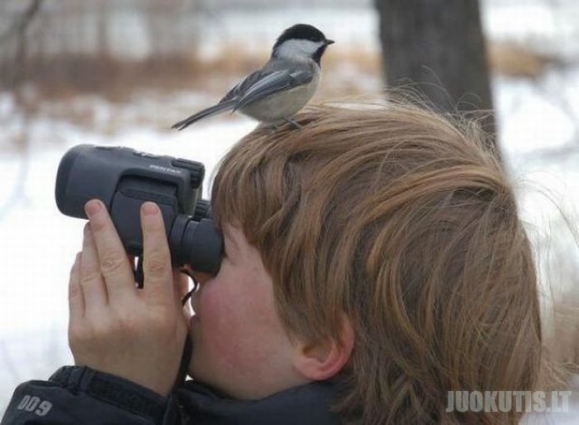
(374, 260)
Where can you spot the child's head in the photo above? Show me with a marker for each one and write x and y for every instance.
(405, 226)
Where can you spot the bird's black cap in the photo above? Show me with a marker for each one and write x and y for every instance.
(302, 32)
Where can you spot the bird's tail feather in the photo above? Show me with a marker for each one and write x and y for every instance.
(205, 113)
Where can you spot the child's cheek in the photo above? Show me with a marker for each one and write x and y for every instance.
(223, 329)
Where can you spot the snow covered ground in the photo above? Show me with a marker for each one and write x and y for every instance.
(38, 244)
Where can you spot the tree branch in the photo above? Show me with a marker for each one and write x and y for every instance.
(18, 28)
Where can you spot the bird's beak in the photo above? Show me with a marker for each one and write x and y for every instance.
(328, 42)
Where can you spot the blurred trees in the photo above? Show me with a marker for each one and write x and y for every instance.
(437, 47)
(15, 36)
(14, 51)
(70, 45)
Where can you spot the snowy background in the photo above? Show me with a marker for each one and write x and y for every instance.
(538, 118)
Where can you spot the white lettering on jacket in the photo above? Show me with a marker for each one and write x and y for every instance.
(35, 405)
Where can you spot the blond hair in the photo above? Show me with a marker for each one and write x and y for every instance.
(405, 223)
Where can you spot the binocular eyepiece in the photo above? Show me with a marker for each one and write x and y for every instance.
(123, 179)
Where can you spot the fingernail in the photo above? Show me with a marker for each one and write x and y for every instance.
(92, 207)
(149, 208)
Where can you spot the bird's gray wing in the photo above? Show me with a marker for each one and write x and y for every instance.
(237, 91)
(273, 82)
(229, 102)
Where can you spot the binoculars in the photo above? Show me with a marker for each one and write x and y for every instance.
(123, 179)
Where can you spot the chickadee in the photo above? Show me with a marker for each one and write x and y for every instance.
(283, 86)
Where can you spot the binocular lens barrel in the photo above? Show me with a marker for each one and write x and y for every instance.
(123, 179)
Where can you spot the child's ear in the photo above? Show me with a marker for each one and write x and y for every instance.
(319, 361)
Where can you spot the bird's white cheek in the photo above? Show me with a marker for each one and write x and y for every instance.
(298, 48)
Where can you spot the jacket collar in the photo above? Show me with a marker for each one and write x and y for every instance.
(304, 405)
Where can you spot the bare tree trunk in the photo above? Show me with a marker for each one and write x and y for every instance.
(103, 13)
(437, 47)
(14, 67)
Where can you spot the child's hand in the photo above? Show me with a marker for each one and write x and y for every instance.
(114, 327)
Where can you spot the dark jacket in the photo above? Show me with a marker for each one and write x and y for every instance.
(80, 395)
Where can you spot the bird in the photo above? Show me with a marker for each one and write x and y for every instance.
(283, 86)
